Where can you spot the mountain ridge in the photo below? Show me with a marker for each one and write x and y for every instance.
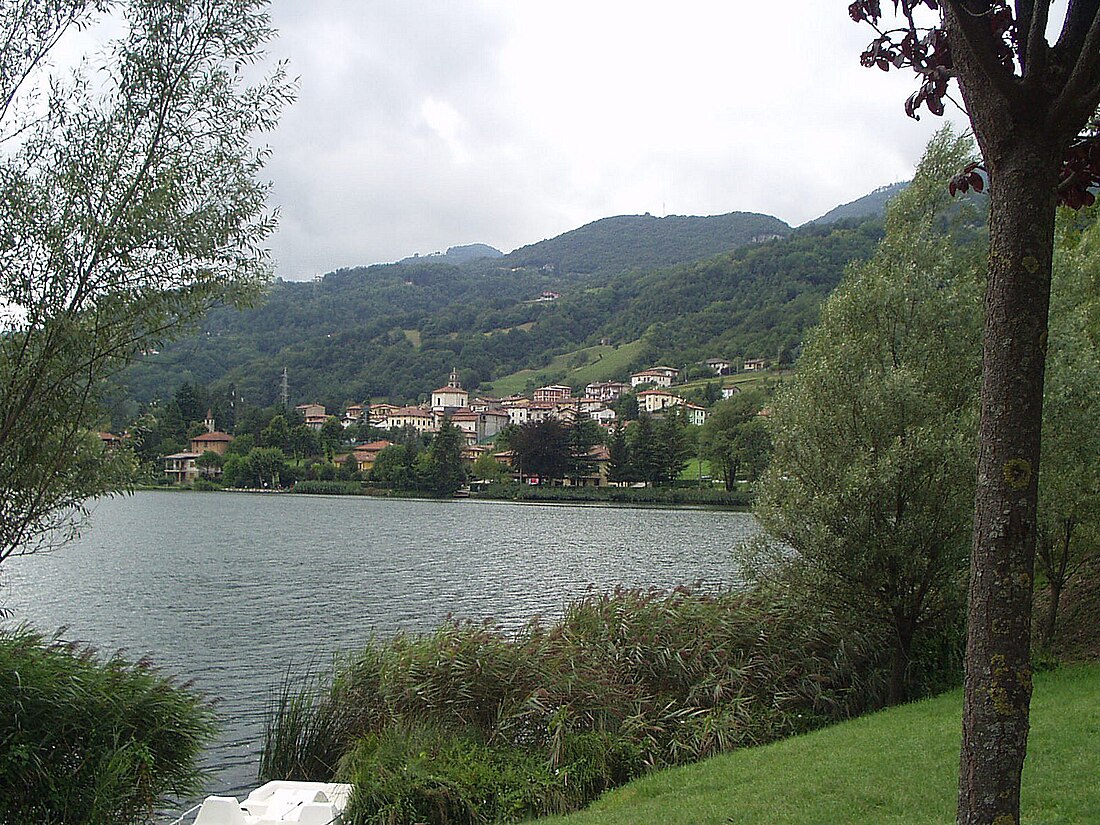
(396, 330)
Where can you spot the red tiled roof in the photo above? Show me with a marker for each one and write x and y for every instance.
(214, 436)
(417, 411)
(373, 446)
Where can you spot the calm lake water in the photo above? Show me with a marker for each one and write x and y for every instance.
(235, 590)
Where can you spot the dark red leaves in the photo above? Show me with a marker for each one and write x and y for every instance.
(865, 10)
(969, 178)
(927, 52)
(1080, 173)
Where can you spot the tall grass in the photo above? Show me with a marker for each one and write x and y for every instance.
(710, 496)
(470, 724)
(91, 739)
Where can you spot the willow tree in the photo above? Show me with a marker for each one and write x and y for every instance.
(872, 465)
(1029, 101)
(130, 202)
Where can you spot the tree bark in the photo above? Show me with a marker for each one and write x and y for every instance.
(903, 645)
(1050, 626)
(1023, 170)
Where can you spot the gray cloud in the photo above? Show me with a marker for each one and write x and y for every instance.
(422, 125)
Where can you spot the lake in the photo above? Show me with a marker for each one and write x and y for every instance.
(234, 590)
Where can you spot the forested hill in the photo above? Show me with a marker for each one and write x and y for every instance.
(873, 203)
(395, 331)
(632, 242)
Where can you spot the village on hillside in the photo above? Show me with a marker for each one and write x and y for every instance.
(479, 419)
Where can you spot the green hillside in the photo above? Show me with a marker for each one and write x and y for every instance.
(578, 368)
(631, 242)
(395, 331)
(899, 766)
(872, 204)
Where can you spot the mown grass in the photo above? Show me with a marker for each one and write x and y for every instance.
(896, 766)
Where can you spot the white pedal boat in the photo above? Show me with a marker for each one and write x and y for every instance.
(306, 803)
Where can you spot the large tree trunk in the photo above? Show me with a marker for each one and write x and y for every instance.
(998, 668)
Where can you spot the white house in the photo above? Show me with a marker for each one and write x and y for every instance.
(521, 414)
(553, 393)
(660, 376)
(420, 419)
(697, 415)
(605, 417)
(656, 400)
(314, 415)
(607, 390)
(719, 366)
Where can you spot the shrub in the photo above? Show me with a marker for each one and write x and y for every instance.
(620, 495)
(424, 774)
(470, 724)
(88, 739)
(329, 488)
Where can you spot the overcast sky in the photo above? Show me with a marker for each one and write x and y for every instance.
(423, 124)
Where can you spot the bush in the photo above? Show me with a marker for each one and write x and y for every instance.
(424, 774)
(86, 739)
(469, 724)
(619, 495)
(329, 488)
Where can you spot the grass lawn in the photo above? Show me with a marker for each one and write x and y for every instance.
(897, 766)
(695, 467)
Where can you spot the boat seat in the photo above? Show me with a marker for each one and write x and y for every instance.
(317, 813)
(220, 810)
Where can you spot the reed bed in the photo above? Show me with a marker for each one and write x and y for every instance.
(470, 724)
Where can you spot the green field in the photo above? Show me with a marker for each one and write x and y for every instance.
(744, 380)
(897, 767)
(579, 367)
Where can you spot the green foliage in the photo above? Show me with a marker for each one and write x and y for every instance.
(87, 739)
(395, 467)
(319, 487)
(542, 449)
(735, 439)
(619, 495)
(619, 469)
(130, 202)
(352, 334)
(262, 467)
(1068, 524)
(583, 435)
(425, 775)
(673, 445)
(488, 468)
(871, 480)
(443, 471)
(897, 767)
(646, 462)
(634, 242)
(470, 724)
